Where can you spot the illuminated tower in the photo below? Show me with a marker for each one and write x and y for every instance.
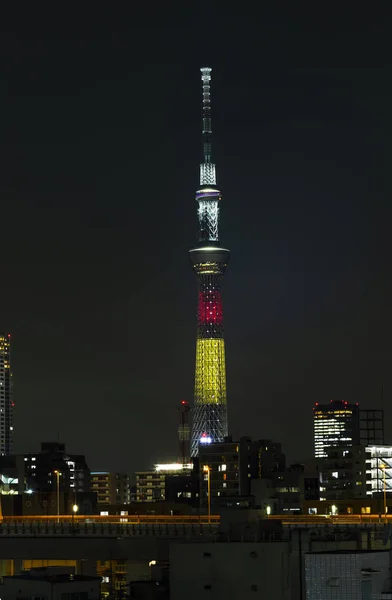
(6, 403)
(209, 261)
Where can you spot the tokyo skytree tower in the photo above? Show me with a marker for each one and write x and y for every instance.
(209, 261)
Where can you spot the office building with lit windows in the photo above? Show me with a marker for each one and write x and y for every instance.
(6, 402)
(335, 424)
(355, 472)
(378, 469)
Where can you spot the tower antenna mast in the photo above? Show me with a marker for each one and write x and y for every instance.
(207, 168)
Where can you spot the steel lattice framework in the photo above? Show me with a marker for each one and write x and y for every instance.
(209, 261)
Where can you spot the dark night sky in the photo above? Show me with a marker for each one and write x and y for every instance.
(100, 145)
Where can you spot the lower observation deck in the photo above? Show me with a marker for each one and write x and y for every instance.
(205, 257)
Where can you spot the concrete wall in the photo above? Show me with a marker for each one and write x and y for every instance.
(351, 575)
(230, 571)
(143, 548)
(13, 588)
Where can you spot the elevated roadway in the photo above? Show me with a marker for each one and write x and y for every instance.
(93, 538)
(148, 537)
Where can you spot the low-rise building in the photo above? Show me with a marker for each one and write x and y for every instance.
(56, 587)
(283, 492)
(42, 504)
(374, 505)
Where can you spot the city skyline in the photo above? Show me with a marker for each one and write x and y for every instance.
(99, 155)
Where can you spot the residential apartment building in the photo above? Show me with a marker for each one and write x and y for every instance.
(173, 482)
(110, 487)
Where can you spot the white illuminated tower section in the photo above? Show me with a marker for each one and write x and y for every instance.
(209, 261)
(6, 402)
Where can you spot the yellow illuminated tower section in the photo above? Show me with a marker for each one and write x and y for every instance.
(6, 402)
(209, 261)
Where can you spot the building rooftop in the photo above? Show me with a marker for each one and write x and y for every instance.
(58, 578)
(352, 551)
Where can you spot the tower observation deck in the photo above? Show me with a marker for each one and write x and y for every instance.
(209, 261)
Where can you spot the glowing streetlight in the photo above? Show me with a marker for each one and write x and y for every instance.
(207, 470)
(384, 468)
(58, 494)
(75, 509)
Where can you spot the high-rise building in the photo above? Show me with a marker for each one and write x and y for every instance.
(6, 402)
(209, 261)
(371, 424)
(44, 471)
(233, 464)
(335, 424)
(40, 469)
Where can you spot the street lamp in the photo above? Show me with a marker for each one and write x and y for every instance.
(75, 509)
(384, 467)
(58, 494)
(207, 470)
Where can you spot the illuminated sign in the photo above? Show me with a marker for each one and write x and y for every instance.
(205, 439)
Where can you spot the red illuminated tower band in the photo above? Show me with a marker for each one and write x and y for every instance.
(209, 261)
